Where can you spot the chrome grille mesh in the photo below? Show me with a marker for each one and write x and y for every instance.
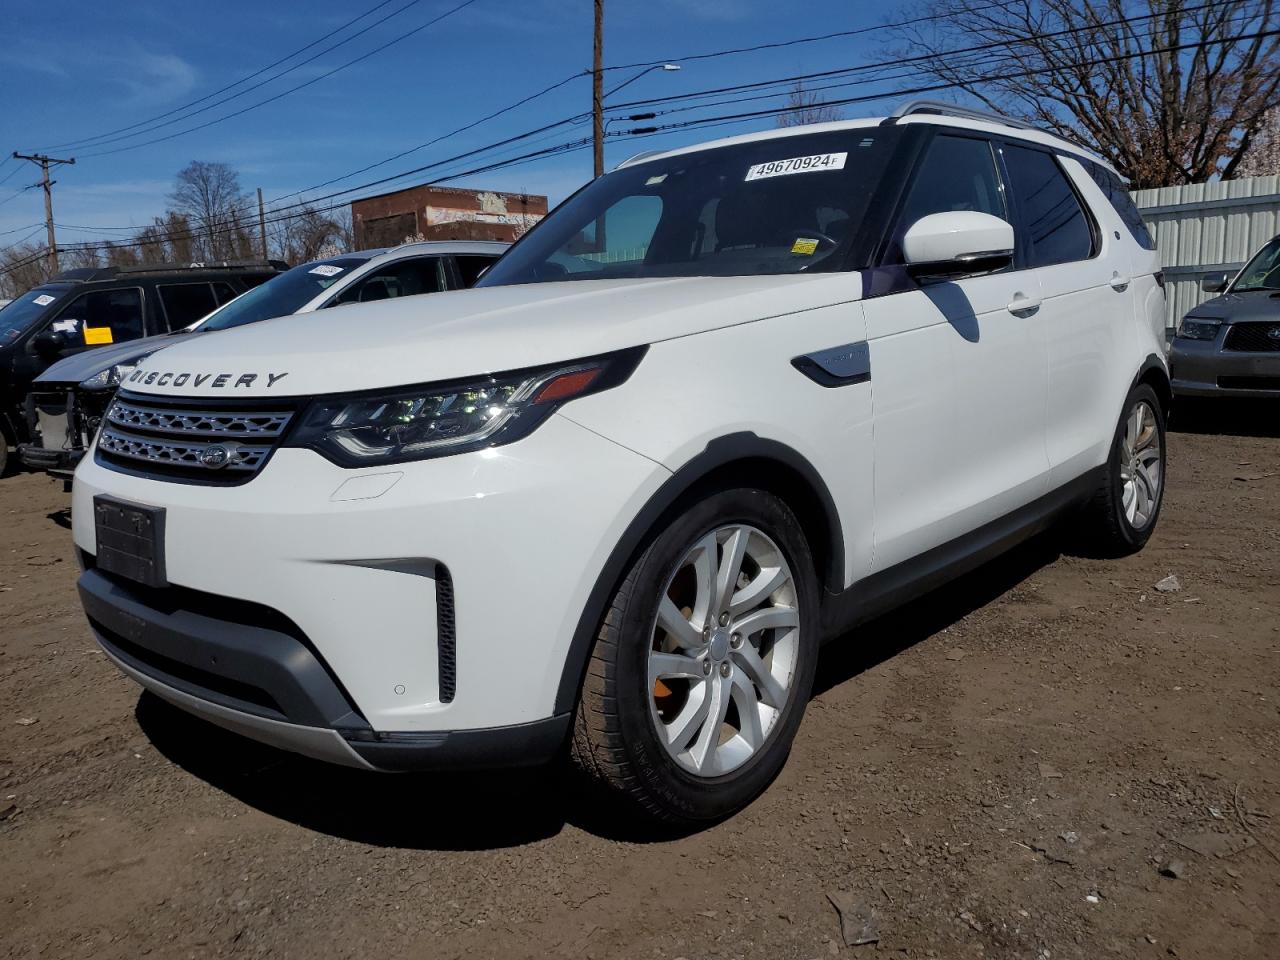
(205, 442)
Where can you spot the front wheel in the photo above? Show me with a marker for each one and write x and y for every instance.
(704, 662)
(1122, 514)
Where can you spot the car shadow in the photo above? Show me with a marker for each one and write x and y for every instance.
(1226, 416)
(61, 517)
(845, 657)
(475, 811)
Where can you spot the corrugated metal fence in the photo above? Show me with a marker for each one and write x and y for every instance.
(1203, 228)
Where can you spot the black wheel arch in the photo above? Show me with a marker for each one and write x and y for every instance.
(1155, 374)
(735, 460)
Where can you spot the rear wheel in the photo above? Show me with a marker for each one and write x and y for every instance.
(1122, 514)
(704, 662)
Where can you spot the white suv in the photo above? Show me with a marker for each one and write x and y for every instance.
(726, 403)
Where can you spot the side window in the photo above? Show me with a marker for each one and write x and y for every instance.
(958, 173)
(1057, 228)
(470, 267)
(404, 278)
(1118, 194)
(226, 293)
(185, 303)
(102, 316)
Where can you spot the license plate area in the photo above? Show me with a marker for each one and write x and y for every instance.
(130, 541)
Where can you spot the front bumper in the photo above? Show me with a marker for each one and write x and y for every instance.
(61, 420)
(333, 595)
(1202, 368)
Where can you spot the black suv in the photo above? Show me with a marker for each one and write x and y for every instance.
(82, 309)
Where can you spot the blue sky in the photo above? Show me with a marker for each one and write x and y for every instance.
(74, 70)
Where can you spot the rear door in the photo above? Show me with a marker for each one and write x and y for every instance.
(1085, 294)
(957, 372)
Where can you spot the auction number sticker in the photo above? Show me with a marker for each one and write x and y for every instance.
(814, 163)
(43, 300)
(326, 270)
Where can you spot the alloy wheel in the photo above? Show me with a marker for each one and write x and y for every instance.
(724, 650)
(1141, 466)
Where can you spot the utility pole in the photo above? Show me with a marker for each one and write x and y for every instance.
(262, 225)
(45, 182)
(597, 90)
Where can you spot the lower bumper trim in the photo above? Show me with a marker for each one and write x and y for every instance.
(520, 745)
(55, 461)
(315, 742)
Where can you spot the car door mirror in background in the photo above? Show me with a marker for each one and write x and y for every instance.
(1214, 283)
(957, 243)
(49, 342)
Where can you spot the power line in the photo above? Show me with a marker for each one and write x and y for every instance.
(232, 85)
(261, 103)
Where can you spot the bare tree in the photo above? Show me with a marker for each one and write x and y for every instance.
(1170, 93)
(308, 235)
(1263, 158)
(22, 267)
(79, 257)
(804, 106)
(210, 197)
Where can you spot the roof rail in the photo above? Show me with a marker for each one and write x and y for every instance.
(944, 109)
(642, 155)
(200, 265)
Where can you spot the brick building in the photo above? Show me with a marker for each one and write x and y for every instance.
(443, 213)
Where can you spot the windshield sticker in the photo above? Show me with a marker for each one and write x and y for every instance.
(43, 300)
(326, 270)
(655, 180)
(815, 163)
(96, 336)
(805, 246)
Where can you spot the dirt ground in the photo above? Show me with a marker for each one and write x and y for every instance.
(1007, 769)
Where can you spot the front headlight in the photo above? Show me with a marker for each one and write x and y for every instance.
(1199, 328)
(113, 376)
(436, 420)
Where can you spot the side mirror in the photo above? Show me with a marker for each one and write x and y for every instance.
(1214, 283)
(49, 341)
(957, 244)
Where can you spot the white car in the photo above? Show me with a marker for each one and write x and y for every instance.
(726, 403)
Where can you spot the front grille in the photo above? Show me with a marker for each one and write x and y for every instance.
(1254, 337)
(215, 443)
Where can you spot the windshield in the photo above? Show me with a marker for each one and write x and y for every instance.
(779, 205)
(17, 317)
(1260, 273)
(282, 294)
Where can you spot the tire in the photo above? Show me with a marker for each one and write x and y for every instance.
(617, 740)
(1110, 527)
(4, 453)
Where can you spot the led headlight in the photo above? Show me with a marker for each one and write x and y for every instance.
(435, 420)
(113, 376)
(1199, 328)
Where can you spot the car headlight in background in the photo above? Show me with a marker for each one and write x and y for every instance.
(1199, 328)
(436, 420)
(113, 376)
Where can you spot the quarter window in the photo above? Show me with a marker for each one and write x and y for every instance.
(1057, 228)
(1118, 194)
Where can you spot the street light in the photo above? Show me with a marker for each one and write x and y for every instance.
(597, 107)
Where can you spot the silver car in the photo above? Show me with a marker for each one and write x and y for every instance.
(1230, 346)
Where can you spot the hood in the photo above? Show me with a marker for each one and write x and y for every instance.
(88, 363)
(471, 332)
(1236, 307)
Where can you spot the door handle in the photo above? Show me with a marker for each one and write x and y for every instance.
(1119, 283)
(1023, 305)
